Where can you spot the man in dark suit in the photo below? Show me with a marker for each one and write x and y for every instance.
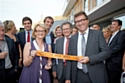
(48, 21)
(61, 68)
(116, 45)
(92, 46)
(24, 36)
(8, 58)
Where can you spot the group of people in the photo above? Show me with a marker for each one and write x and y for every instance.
(103, 58)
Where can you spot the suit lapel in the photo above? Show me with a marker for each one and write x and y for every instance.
(75, 43)
(24, 37)
(114, 38)
(62, 44)
(90, 36)
(9, 45)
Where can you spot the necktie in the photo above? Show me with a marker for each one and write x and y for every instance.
(83, 47)
(66, 49)
(28, 37)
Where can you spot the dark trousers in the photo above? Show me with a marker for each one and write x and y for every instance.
(51, 76)
(10, 75)
(63, 77)
(114, 76)
(81, 77)
(18, 73)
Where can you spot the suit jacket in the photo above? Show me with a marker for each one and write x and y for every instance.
(116, 46)
(97, 51)
(22, 39)
(59, 67)
(14, 57)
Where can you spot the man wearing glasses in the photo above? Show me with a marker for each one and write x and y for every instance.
(92, 46)
(61, 68)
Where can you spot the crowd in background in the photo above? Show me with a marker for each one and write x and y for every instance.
(103, 51)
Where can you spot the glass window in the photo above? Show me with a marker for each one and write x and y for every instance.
(86, 6)
(98, 2)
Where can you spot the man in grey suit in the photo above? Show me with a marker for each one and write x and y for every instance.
(61, 68)
(92, 46)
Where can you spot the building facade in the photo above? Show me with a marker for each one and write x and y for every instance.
(98, 11)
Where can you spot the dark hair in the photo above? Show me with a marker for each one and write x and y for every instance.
(117, 20)
(26, 18)
(64, 23)
(74, 27)
(49, 17)
(96, 24)
(80, 13)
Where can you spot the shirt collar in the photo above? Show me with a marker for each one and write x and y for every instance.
(68, 37)
(28, 31)
(87, 31)
(115, 33)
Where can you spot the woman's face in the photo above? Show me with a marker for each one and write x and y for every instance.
(13, 29)
(40, 32)
(58, 32)
(106, 34)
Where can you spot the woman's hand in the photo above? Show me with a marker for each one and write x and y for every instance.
(33, 53)
(48, 65)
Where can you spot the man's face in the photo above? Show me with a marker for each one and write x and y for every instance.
(96, 27)
(115, 26)
(27, 25)
(81, 23)
(2, 33)
(66, 30)
(48, 22)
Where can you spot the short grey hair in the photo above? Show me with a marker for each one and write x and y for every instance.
(1, 24)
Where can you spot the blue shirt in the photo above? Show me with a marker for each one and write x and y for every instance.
(48, 38)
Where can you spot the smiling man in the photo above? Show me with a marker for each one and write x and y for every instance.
(61, 68)
(92, 46)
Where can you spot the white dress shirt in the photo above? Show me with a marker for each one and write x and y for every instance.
(64, 47)
(79, 50)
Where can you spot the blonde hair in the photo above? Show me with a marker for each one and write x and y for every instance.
(58, 26)
(8, 24)
(40, 25)
(107, 29)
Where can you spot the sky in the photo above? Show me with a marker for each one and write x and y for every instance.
(35, 9)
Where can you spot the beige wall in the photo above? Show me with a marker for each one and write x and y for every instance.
(76, 8)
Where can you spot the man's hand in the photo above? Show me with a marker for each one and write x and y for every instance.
(84, 60)
(3, 55)
(54, 74)
(67, 81)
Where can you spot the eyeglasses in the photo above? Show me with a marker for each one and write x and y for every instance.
(66, 29)
(82, 20)
(40, 31)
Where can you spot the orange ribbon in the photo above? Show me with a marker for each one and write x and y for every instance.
(58, 56)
